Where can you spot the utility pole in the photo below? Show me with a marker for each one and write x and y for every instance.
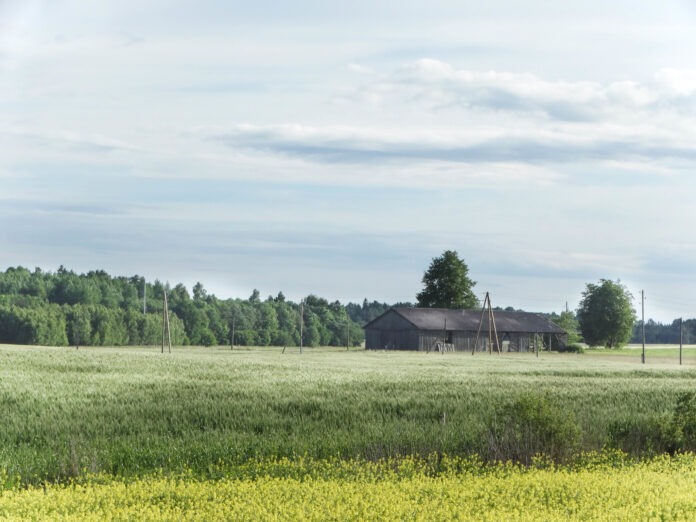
(347, 333)
(681, 339)
(144, 296)
(165, 324)
(642, 308)
(234, 318)
(301, 322)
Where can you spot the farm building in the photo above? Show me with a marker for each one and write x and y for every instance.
(427, 329)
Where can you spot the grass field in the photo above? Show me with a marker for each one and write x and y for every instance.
(202, 413)
(667, 353)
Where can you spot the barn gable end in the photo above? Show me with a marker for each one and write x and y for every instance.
(391, 331)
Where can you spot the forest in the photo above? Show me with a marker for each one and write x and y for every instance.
(64, 308)
(659, 333)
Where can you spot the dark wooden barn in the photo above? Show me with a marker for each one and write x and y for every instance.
(428, 329)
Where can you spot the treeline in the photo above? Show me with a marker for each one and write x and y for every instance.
(64, 308)
(659, 333)
(363, 314)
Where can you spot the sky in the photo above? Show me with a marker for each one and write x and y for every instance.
(336, 148)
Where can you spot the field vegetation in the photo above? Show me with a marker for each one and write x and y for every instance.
(333, 434)
(603, 487)
(128, 411)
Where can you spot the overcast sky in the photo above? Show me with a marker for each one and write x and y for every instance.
(335, 148)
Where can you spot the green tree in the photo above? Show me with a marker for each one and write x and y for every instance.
(606, 315)
(79, 326)
(569, 323)
(199, 292)
(446, 284)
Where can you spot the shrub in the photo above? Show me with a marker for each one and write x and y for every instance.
(684, 421)
(207, 338)
(528, 426)
(572, 348)
(643, 436)
(654, 435)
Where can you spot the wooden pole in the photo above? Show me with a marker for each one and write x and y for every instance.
(444, 338)
(681, 339)
(347, 334)
(144, 296)
(164, 320)
(234, 319)
(301, 323)
(642, 307)
(490, 327)
(169, 331)
(483, 310)
(495, 329)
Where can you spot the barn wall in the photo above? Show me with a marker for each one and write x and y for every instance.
(391, 332)
(462, 341)
(394, 332)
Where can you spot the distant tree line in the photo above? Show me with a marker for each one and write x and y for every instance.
(363, 314)
(659, 333)
(65, 308)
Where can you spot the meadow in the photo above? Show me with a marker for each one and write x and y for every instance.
(132, 410)
(196, 417)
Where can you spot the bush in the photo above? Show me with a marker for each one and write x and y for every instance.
(643, 436)
(529, 426)
(207, 338)
(664, 434)
(684, 421)
(572, 348)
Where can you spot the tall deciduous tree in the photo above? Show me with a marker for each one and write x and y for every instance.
(446, 284)
(569, 323)
(606, 315)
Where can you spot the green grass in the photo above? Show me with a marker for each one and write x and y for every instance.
(659, 352)
(128, 411)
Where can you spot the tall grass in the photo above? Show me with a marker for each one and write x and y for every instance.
(128, 411)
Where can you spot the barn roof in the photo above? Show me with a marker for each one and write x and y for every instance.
(468, 320)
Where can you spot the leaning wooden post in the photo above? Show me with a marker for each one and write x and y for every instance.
(301, 323)
(234, 318)
(483, 310)
(164, 317)
(495, 329)
(490, 328)
(681, 340)
(169, 331)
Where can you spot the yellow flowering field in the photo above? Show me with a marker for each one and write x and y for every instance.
(660, 489)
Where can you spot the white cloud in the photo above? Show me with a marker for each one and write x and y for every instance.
(439, 84)
(529, 143)
(676, 82)
(360, 69)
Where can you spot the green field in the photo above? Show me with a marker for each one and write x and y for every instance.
(130, 411)
(667, 353)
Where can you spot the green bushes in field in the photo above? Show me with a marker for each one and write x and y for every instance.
(572, 348)
(652, 435)
(529, 425)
